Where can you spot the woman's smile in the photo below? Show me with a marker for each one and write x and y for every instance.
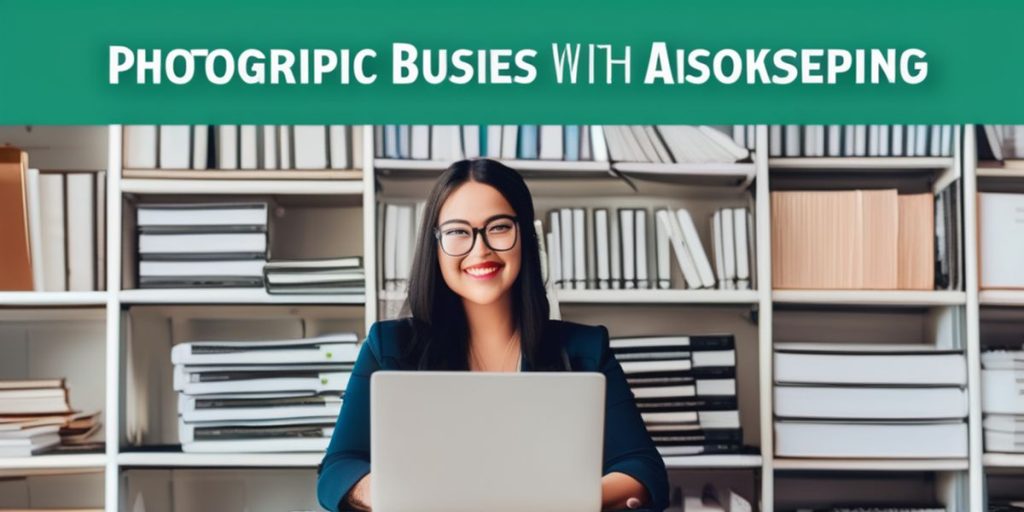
(485, 270)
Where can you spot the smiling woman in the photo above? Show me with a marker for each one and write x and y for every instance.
(478, 303)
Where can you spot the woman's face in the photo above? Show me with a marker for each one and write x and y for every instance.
(482, 276)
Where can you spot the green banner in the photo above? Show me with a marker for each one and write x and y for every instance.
(315, 61)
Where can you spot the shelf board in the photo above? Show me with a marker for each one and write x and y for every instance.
(871, 464)
(230, 296)
(907, 298)
(714, 461)
(657, 296)
(53, 298)
(247, 174)
(237, 186)
(1001, 297)
(874, 163)
(177, 459)
(1003, 460)
(558, 166)
(61, 461)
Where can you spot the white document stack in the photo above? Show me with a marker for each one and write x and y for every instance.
(1002, 400)
(837, 400)
(202, 244)
(261, 396)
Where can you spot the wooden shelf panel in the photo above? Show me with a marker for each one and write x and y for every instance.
(657, 296)
(53, 298)
(230, 296)
(908, 298)
(176, 459)
(62, 461)
(246, 174)
(871, 464)
(874, 163)
(236, 186)
(1001, 297)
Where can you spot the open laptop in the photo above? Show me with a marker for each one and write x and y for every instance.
(500, 442)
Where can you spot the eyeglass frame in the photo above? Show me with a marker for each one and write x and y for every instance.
(478, 231)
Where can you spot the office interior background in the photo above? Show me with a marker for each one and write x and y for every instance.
(849, 299)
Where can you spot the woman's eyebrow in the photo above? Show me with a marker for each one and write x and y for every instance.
(488, 219)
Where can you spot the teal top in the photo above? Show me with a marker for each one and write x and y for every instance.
(627, 446)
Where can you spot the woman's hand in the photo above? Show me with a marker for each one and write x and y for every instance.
(620, 491)
(359, 497)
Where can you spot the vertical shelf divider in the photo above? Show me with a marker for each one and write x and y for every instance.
(114, 414)
(976, 471)
(764, 317)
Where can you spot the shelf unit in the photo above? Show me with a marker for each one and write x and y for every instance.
(574, 180)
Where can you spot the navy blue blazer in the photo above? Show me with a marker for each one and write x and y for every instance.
(627, 446)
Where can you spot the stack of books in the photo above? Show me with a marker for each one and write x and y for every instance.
(633, 248)
(835, 400)
(35, 417)
(202, 244)
(685, 389)
(261, 396)
(860, 140)
(253, 147)
(1002, 400)
(636, 143)
(54, 227)
(859, 239)
(316, 276)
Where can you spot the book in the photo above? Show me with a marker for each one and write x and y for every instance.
(1000, 240)
(16, 258)
(870, 403)
(310, 146)
(942, 439)
(863, 366)
(337, 347)
(81, 232)
(139, 147)
(248, 147)
(175, 146)
(202, 214)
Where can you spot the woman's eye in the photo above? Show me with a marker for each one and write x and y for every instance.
(501, 228)
(456, 232)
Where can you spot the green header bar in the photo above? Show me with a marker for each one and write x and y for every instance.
(935, 61)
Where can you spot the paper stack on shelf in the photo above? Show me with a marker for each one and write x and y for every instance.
(685, 389)
(818, 140)
(666, 144)
(837, 400)
(252, 147)
(860, 239)
(631, 248)
(202, 244)
(316, 276)
(261, 396)
(1002, 400)
(1000, 240)
(35, 417)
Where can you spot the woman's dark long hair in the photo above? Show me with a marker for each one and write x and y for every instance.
(440, 338)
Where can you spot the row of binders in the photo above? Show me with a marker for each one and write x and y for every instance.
(247, 146)
(36, 417)
(860, 140)
(685, 389)
(632, 248)
(261, 396)
(835, 400)
(635, 143)
(865, 239)
(54, 227)
(1002, 400)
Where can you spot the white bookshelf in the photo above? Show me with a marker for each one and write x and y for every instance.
(122, 309)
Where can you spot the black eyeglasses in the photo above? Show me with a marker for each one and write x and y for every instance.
(457, 238)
